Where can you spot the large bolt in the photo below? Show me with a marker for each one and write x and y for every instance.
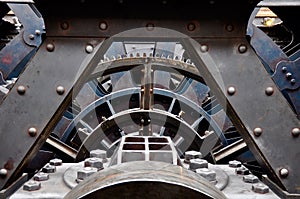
(41, 176)
(203, 48)
(242, 171)
(103, 25)
(49, 168)
(56, 162)
(197, 164)
(260, 188)
(94, 162)
(269, 91)
(98, 153)
(60, 90)
(32, 131)
(235, 164)
(208, 174)
(242, 48)
(86, 172)
(89, 48)
(188, 155)
(50, 47)
(32, 185)
(250, 178)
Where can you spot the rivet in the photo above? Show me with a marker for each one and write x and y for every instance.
(60, 90)
(242, 48)
(150, 26)
(64, 25)
(293, 81)
(89, 48)
(229, 27)
(191, 27)
(37, 32)
(284, 69)
(269, 90)
(257, 131)
(31, 36)
(21, 90)
(32, 131)
(50, 47)
(203, 48)
(3, 173)
(103, 25)
(295, 132)
(288, 75)
(231, 90)
(283, 172)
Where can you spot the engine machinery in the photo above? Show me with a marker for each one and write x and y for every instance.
(145, 99)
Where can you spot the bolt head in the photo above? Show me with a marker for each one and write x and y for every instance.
(257, 131)
(208, 174)
(284, 69)
(21, 90)
(49, 168)
(50, 47)
(203, 48)
(295, 132)
(32, 131)
(32, 185)
(31, 37)
(288, 75)
(283, 172)
(242, 48)
(235, 164)
(37, 32)
(191, 27)
(103, 25)
(56, 162)
(260, 188)
(188, 155)
(250, 178)
(89, 48)
(86, 172)
(197, 164)
(269, 91)
(60, 90)
(93, 162)
(231, 90)
(229, 28)
(41, 176)
(242, 171)
(3, 173)
(150, 26)
(64, 25)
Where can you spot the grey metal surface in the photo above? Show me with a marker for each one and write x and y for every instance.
(40, 79)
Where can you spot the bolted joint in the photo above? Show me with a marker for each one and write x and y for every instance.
(235, 164)
(56, 162)
(188, 155)
(32, 185)
(198, 164)
(85, 172)
(242, 171)
(41, 176)
(260, 188)
(94, 162)
(98, 153)
(49, 168)
(208, 174)
(250, 178)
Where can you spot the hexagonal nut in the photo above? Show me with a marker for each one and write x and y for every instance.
(242, 171)
(235, 164)
(49, 168)
(250, 178)
(86, 172)
(197, 164)
(98, 153)
(32, 185)
(56, 162)
(208, 174)
(94, 162)
(260, 188)
(41, 176)
(188, 155)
